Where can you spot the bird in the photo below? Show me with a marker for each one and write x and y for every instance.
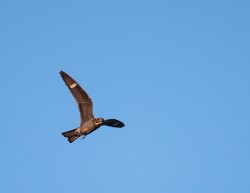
(88, 122)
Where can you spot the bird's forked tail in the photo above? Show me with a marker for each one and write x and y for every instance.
(72, 135)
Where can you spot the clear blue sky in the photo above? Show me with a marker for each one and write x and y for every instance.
(177, 73)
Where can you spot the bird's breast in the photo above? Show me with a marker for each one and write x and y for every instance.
(87, 127)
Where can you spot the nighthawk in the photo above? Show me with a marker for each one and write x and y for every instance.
(88, 122)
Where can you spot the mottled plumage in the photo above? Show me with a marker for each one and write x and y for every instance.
(88, 122)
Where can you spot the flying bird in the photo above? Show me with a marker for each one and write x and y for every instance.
(88, 122)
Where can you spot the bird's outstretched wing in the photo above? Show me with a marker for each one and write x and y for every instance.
(113, 123)
(83, 100)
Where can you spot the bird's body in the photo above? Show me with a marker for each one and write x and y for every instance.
(88, 122)
(87, 127)
(83, 130)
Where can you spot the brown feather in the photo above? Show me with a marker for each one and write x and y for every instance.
(69, 133)
(83, 100)
(73, 138)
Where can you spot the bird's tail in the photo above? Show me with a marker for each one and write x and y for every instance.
(72, 135)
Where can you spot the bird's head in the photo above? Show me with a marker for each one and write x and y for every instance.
(98, 122)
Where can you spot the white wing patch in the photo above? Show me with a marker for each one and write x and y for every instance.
(73, 85)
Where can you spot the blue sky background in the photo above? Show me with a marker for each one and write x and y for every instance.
(177, 73)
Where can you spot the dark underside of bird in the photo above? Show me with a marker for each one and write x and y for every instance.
(113, 123)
